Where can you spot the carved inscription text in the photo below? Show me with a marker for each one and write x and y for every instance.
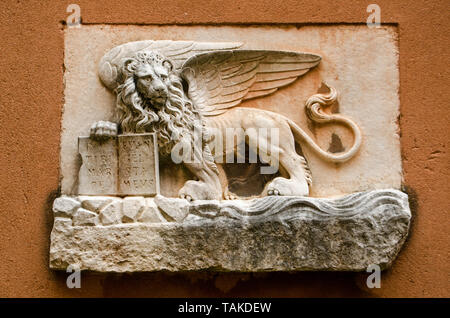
(138, 161)
(122, 165)
(98, 172)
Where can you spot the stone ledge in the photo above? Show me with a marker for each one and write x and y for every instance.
(266, 234)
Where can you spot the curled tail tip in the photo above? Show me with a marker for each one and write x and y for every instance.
(324, 99)
(314, 109)
(326, 85)
(332, 93)
(316, 102)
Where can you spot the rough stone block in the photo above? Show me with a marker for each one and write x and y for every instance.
(111, 213)
(150, 213)
(95, 203)
(173, 209)
(131, 206)
(65, 206)
(85, 217)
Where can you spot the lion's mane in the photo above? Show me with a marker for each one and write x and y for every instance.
(136, 114)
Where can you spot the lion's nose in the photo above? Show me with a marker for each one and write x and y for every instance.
(159, 87)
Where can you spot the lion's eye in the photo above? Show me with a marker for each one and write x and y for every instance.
(148, 78)
(164, 77)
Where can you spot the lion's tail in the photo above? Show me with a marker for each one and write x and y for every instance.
(314, 110)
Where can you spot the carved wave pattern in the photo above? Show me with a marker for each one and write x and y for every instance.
(289, 208)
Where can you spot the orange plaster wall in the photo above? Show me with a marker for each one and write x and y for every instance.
(31, 99)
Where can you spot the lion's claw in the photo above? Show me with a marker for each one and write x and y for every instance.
(186, 197)
(228, 195)
(273, 192)
(103, 130)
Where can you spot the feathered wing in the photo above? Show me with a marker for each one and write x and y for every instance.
(177, 51)
(223, 79)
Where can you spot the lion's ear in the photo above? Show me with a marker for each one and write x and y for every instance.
(129, 65)
(168, 65)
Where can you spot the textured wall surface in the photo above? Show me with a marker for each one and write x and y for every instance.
(31, 101)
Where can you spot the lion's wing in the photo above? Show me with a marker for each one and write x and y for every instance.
(223, 79)
(177, 51)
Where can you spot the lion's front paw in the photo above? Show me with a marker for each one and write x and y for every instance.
(287, 187)
(198, 190)
(103, 130)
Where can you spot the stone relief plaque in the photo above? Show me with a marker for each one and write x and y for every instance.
(237, 155)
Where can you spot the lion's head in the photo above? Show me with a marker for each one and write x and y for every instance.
(151, 99)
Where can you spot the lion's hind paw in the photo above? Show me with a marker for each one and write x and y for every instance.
(287, 187)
